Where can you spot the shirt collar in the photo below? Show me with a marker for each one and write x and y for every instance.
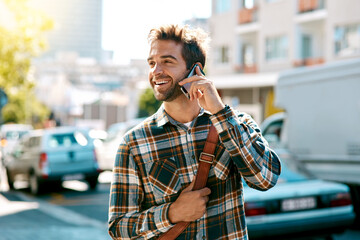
(163, 118)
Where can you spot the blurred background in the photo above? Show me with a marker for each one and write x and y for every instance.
(82, 63)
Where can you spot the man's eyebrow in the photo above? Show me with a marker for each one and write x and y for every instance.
(163, 57)
(169, 56)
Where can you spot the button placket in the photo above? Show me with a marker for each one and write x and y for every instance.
(191, 153)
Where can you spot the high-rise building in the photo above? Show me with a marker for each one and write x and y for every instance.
(253, 41)
(77, 27)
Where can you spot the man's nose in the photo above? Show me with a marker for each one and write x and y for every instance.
(157, 69)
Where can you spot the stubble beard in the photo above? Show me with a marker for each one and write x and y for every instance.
(172, 93)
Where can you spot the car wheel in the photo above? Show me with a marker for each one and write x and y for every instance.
(35, 184)
(9, 179)
(92, 181)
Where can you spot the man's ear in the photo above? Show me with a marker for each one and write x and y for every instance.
(200, 65)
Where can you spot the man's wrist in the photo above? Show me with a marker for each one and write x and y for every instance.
(217, 109)
(170, 214)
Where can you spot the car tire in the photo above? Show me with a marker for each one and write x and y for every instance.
(35, 185)
(9, 179)
(92, 181)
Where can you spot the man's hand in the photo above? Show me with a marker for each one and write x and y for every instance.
(204, 90)
(190, 205)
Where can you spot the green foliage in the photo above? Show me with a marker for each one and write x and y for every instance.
(148, 104)
(17, 46)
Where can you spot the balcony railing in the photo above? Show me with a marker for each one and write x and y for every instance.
(247, 15)
(310, 5)
(245, 68)
(308, 62)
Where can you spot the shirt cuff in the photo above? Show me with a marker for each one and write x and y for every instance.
(162, 221)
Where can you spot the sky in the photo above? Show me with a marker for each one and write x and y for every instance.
(127, 23)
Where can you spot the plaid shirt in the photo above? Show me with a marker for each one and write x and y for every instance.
(159, 158)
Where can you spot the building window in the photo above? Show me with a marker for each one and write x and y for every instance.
(223, 54)
(347, 40)
(222, 6)
(276, 48)
(248, 4)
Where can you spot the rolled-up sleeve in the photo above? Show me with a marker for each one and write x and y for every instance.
(256, 161)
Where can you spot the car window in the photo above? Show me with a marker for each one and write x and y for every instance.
(274, 129)
(34, 141)
(14, 135)
(67, 140)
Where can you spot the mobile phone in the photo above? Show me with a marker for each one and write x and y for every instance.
(186, 87)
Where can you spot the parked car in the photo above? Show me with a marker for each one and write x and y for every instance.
(52, 156)
(299, 204)
(10, 134)
(106, 152)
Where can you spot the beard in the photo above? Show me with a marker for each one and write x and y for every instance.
(170, 94)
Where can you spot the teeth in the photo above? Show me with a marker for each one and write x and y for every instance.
(162, 82)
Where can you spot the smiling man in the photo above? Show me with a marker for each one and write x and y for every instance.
(157, 161)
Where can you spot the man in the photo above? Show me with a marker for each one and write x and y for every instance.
(157, 161)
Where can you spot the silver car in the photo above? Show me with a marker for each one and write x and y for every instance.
(10, 134)
(52, 156)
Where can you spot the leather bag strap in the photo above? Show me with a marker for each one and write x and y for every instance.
(205, 161)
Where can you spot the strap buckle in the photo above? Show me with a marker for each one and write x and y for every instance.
(206, 157)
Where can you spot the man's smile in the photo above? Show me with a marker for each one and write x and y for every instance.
(161, 82)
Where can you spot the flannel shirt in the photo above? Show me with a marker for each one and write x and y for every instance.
(159, 158)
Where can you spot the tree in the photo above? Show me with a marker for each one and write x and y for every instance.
(148, 103)
(18, 45)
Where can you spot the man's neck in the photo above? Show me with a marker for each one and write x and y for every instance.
(182, 110)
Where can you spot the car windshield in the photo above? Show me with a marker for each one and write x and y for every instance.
(67, 139)
(15, 135)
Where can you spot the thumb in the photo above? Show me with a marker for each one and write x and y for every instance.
(190, 187)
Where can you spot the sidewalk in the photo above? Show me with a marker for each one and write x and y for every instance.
(22, 217)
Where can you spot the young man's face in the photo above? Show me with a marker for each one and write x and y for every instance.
(167, 68)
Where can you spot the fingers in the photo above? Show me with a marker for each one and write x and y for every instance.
(199, 72)
(204, 192)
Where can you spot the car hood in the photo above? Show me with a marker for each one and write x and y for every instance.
(294, 189)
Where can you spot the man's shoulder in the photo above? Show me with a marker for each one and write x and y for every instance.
(140, 129)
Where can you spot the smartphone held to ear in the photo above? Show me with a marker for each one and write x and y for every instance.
(186, 87)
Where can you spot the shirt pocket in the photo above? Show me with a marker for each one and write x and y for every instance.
(165, 180)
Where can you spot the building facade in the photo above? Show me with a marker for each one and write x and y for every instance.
(77, 27)
(253, 41)
(78, 89)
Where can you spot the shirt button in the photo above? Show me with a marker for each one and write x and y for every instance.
(204, 237)
(189, 131)
(193, 156)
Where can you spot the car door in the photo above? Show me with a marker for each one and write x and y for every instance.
(19, 157)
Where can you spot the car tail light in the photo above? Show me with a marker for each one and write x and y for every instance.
(96, 162)
(43, 163)
(340, 199)
(3, 142)
(255, 209)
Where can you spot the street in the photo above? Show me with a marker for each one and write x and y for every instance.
(73, 213)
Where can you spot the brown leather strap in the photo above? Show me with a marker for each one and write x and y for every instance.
(205, 161)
